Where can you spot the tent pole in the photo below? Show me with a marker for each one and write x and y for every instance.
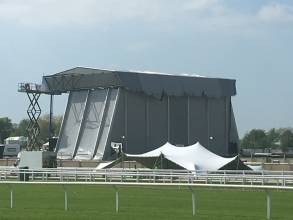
(155, 164)
(238, 161)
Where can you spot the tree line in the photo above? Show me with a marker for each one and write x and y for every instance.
(9, 129)
(274, 138)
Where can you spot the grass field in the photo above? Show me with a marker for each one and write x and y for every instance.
(98, 202)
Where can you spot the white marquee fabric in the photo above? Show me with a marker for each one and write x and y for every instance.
(193, 157)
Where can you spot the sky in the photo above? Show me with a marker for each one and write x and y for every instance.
(250, 41)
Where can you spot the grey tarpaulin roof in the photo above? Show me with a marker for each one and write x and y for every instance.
(153, 84)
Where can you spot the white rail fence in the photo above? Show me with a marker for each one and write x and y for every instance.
(270, 178)
(263, 180)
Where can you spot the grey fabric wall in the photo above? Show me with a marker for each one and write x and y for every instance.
(148, 123)
(218, 125)
(136, 123)
(234, 145)
(198, 117)
(178, 120)
(117, 129)
(158, 122)
(95, 118)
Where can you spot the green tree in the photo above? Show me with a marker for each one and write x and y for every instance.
(273, 136)
(21, 128)
(256, 138)
(57, 122)
(286, 139)
(44, 127)
(6, 128)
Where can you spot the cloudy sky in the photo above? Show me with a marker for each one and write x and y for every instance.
(250, 41)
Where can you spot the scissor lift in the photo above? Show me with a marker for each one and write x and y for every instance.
(33, 92)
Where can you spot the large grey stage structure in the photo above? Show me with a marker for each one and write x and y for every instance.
(143, 111)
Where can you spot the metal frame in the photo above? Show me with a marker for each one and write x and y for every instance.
(34, 111)
(64, 81)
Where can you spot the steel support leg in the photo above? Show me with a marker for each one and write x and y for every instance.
(50, 129)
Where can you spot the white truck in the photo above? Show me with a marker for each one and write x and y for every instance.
(36, 159)
(13, 145)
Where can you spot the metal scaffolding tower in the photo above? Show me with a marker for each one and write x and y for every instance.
(33, 92)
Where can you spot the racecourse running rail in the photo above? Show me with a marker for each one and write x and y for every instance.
(225, 177)
(263, 180)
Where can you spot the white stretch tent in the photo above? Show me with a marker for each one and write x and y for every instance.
(193, 157)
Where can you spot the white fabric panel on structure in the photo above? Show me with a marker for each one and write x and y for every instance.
(71, 124)
(102, 138)
(92, 124)
(87, 124)
(193, 157)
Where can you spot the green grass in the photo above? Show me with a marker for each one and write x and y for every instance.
(98, 202)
